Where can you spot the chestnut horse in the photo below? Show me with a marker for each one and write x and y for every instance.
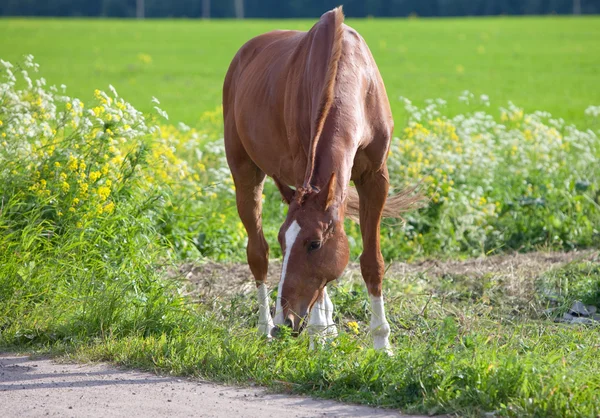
(310, 110)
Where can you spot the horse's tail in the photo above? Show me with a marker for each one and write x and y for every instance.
(408, 199)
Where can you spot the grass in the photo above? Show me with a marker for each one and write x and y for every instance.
(539, 63)
(98, 203)
(464, 343)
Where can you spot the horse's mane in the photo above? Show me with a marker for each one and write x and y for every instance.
(327, 93)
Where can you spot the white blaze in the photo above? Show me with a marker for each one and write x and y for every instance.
(265, 322)
(290, 238)
(380, 329)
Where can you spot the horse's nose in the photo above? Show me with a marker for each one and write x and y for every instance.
(288, 323)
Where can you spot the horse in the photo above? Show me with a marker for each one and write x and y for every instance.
(310, 110)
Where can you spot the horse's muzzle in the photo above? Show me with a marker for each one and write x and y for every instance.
(289, 324)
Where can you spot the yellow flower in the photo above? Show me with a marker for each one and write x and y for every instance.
(75, 201)
(95, 175)
(72, 164)
(79, 225)
(353, 325)
(63, 176)
(109, 208)
(1, 123)
(105, 169)
(69, 106)
(65, 186)
(3, 134)
(83, 187)
(57, 164)
(72, 209)
(103, 192)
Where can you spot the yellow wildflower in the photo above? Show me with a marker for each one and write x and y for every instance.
(73, 163)
(69, 106)
(65, 186)
(109, 208)
(95, 175)
(75, 201)
(353, 325)
(57, 164)
(103, 192)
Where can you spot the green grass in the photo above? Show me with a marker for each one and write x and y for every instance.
(464, 343)
(543, 63)
(95, 210)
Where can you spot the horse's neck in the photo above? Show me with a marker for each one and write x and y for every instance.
(335, 154)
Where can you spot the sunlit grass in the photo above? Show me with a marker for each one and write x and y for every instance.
(98, 202)
(540, 63)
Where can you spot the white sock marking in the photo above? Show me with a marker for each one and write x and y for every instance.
(380, 328)
(320, 322)
(265, 322)
(290, 238)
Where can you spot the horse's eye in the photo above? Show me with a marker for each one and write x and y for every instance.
(314, 245)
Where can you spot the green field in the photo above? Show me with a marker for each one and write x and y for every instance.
(105, 213)
(545, 63)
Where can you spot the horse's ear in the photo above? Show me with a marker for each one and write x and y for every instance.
(287, 193)
(327, 194)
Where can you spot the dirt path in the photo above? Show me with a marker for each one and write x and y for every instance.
(40, 387)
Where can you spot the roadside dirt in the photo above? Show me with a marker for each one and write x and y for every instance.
(39, 387)
(214, 280)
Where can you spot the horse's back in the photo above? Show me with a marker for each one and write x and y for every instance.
(254, 96)
(259, 51)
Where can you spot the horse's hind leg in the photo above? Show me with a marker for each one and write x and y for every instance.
(249, 181)
(372, 191)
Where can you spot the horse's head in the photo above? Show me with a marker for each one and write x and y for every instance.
(315, 249)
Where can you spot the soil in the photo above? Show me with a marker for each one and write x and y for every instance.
(40, 387)
(214, 280)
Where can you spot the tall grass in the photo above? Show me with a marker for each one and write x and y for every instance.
(96, 202)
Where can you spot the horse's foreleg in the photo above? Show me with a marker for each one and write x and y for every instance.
(320, 322)
(249, 181)
(372, 191)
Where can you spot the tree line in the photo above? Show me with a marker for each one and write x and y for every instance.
(291, 8)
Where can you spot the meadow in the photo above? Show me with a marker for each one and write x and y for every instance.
(538, 63)
(104, 201)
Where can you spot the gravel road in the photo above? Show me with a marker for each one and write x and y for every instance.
(41, 387)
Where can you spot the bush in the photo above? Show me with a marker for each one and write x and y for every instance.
(80, 252)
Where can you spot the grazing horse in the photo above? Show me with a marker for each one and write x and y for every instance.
(310, 110)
